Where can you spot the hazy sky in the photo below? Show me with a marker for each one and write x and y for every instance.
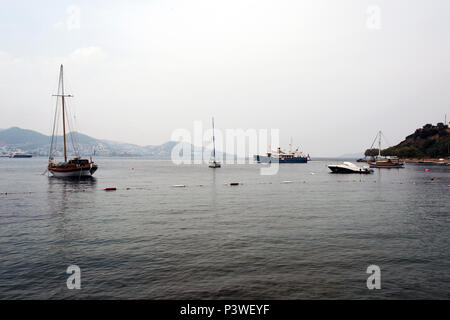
(328, 73)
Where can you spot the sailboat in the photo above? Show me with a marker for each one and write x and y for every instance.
(384, 162)
(76, 167)
(213, 163)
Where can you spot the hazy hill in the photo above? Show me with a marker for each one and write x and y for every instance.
(20, 137)
(428, 142)
(17, 139)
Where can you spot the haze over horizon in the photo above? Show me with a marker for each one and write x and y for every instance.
(313, 69)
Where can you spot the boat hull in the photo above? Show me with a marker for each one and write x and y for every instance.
(340, 169)
(266, 159)
(386, 164)
(22, 156)
(72, 174)
(72, 170)
(387, 167)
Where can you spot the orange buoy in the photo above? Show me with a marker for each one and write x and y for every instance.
(426, 170)
(234, 183)
(110, 189)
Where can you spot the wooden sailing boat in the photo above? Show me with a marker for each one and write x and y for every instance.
(213, 163)
(384, 162)
(76, 167)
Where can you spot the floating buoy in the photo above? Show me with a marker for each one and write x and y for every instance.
(234, 183)
(427, 170)
(432, 178)
(179, 186)
(132, 169)
(287, 181)
(111, 189)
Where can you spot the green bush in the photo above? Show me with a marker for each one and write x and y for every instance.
(371, 152)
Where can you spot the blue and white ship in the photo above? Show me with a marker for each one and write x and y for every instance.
(281, 156)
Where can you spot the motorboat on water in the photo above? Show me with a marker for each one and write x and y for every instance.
(76, 167)
(348, 167)
(20, 155)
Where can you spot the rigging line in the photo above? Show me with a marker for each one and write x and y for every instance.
(54, 120)
(57, 132)
(72, 122)
(72, 118)
(374, 140)
(75, 136)
(71, 132)
(388, 142)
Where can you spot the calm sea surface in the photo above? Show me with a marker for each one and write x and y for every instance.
(264, 239)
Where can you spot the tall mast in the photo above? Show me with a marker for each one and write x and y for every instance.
(214, 141)
(63, 114)
(290, 146)
(62, 95)
(379, 144)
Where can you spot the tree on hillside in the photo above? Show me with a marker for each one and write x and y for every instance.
(371, 152)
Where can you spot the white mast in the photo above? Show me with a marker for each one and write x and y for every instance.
(63, 95)
(379, 144)
(214, 141)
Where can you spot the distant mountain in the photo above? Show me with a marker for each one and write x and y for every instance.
(427, 142)
(25, 138)
(17, 139)
(352, 155)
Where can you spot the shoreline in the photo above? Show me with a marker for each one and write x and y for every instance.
(427, 160)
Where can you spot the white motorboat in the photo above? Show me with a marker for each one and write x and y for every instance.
(348, 167)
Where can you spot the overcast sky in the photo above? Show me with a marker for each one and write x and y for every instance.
(328, 73)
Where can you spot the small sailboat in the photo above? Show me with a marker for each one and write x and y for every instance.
(76, 167)
(213, 163)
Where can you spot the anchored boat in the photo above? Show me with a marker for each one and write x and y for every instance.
(387, 162)
(76, 167)
(213, 163)
(281, 156)
(20, 155)
(348, 167)
(384, 162)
